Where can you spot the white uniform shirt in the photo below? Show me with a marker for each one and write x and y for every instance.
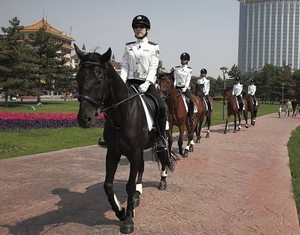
(206, 85)
(182, 76)
(251, 89)
(140, 61)
(237, 89)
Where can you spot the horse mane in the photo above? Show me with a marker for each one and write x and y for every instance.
(228, 89)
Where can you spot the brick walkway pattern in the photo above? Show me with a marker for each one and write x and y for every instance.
(238, 183)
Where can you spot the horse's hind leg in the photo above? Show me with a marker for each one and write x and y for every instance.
(226, 125)
(180, 141)
(112, 161)
(208, 121)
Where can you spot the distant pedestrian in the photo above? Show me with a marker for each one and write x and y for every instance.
(279, 111)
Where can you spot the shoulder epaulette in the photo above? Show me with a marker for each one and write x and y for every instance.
(178, 66)
(152, 43)
(128, 43)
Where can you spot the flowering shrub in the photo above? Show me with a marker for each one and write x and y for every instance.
(17, 121)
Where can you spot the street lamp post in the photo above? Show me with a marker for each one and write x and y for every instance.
(282, 93)
(224, 70)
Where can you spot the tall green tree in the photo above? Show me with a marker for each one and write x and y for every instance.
(17, 61)
(50, 63)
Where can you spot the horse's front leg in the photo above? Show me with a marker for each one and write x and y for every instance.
(208, 122)
(128, 225)
(234, 120)
(240, 122)
(180, 139)
(226, 126)
(163, 179)
(246, 118)
(190, 144)
(198, 131)
(112, 160)
(139, 185)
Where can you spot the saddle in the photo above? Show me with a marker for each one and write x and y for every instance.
(186, 101)
(150, 106)
(240, 103)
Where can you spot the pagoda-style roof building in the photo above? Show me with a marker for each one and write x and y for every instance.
(57, 35)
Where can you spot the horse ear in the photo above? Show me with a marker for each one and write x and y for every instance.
(78, 51)
(106, 56)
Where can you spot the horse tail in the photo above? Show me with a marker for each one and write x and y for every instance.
(167, 159)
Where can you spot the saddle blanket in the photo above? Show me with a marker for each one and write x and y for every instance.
(186, 104)
(149, 118)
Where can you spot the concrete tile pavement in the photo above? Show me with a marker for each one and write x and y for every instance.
(238, 183)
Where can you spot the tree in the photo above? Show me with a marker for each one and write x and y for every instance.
(17, 61)
(50, 63)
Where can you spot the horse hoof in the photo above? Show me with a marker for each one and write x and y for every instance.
(121, 214)
(162, 185)
(136, 199)
(207, 135)
(127, 227)
(186, 153)
(191, 148)
(246, 126)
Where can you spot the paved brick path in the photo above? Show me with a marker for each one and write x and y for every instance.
(232, 184)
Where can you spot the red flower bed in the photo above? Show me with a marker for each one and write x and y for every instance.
(12, 121)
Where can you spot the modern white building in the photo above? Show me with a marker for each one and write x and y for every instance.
(269, 34)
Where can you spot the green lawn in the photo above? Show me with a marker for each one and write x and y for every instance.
(20, 143)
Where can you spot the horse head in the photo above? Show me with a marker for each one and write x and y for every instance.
(226, 94)
(165, 84)
(92, 82)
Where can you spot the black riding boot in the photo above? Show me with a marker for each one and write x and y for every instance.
(191, 113)
(161, 141)
(209, 107)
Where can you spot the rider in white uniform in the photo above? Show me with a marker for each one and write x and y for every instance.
(237, 92)
(182, 79)
(252, 90)
(139, 66)
(204, 84)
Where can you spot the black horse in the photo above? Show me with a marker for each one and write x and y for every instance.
(125, 132)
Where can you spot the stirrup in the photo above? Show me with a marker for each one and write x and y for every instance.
(101, 143)
(161, 145)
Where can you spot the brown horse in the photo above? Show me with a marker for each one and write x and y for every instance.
(252, 108)
(206, 113)
(177, 113)
(233, 109)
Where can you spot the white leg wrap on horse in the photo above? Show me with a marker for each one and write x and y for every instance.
(192, 142)
(187, 147)
(163, 174)
(139, 188)
(207, 131)
(117, 202)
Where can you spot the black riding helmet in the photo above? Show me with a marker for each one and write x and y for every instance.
(141, 19)
(203, 71)
(185, 56)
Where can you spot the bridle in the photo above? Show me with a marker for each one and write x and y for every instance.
(100, 104)
(80, 98)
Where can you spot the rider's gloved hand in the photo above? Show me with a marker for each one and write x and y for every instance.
(144, 87)
(184, 89)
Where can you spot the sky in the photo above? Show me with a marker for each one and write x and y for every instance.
(206, 29)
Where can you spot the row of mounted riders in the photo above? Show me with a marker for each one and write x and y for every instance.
(126, 129)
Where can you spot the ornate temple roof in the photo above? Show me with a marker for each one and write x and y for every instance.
(48, 27)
